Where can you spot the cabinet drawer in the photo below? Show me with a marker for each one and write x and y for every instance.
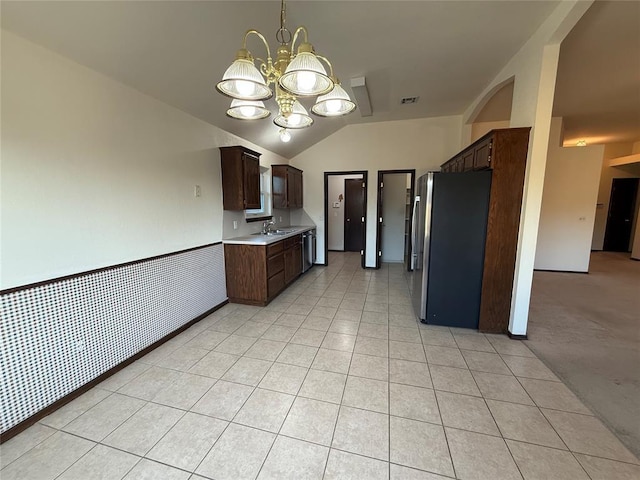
(275, 284)
(293, 241)
(274, 248)
(275, 264)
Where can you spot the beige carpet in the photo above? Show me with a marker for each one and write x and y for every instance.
(586, 328)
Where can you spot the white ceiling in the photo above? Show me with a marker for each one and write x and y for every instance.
(445, 52)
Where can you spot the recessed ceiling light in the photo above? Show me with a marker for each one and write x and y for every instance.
(581, 143)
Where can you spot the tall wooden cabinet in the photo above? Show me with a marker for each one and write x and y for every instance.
(240, 178)
(505, 152)
(286, 186)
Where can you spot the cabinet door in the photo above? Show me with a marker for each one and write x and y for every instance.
(288, 265)
(482, 155)
(279, 186)
(297, 259)
(251, 181)
(295, 177)
(467, 161)
(292, 258)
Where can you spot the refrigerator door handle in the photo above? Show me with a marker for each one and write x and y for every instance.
(414, 255)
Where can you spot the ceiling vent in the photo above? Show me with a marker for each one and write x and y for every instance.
(407, 100)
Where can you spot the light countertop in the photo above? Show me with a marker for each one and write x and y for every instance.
(259, 239)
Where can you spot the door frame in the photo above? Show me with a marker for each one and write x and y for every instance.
(381, 174)
(364, 174)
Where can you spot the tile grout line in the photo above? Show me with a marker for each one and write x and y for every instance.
(389, 376)
(335, 425)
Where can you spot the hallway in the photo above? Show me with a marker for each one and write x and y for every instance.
(333, 380)
(586, 328)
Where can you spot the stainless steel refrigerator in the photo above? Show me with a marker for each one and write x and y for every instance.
(448, 236)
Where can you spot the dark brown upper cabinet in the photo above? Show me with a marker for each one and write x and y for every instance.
(482, 154)
(286, 182)
(240, 178)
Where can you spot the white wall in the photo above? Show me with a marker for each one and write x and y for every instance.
(423, 144)
(568, 204)
(94, 173)
(611, 151)
(394, 205)
(478, 129)
(335, 222)
(534, 70)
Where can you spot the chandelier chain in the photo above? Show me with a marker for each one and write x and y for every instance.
(283, 35)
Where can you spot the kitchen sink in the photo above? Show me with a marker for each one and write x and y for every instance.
(271, 233)
(276, 232)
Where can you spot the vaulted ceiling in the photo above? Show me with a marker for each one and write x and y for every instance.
(598, 82)
(445, 52)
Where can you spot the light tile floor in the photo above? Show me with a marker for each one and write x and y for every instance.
(335, 379)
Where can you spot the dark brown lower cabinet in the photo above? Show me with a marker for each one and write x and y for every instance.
(292, 258)
(256, 274)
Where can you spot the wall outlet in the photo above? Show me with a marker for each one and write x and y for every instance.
(235, 224)
(79, 345)
(196, 191)
(280, 218)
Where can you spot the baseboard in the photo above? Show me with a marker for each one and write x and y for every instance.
(517, 337)
(20, 427)
(558, 271)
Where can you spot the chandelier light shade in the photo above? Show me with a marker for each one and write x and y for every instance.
(248, 110)
(298, 118)
(305, 76)
(291, 76)
(243, 81)
(334, 104)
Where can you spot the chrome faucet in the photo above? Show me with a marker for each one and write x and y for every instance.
(266, 226)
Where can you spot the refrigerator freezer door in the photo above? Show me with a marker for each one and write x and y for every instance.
(456, 256)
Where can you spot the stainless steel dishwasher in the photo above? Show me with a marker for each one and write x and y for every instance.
(308, 249)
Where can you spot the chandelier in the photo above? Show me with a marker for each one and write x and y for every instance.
(292, 75)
